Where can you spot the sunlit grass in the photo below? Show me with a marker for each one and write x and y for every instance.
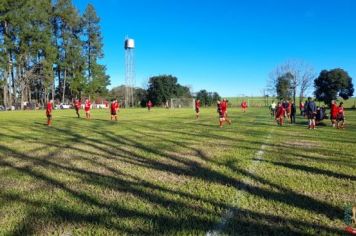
(163, 172)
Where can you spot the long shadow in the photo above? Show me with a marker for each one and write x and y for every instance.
(313, 170)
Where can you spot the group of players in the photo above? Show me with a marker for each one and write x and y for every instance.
(309, 109)
(221, 110)
(281, 111)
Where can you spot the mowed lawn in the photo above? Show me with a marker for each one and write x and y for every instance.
(165, 173)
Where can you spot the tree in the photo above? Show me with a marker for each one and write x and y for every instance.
(93, 51)
(207, 98)
(67, 33)
(164, 87)
(300, 81)
(331, 84)
(283, 86)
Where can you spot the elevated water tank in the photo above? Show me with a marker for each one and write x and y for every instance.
(129, 44)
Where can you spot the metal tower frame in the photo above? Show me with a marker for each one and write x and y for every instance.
(129, 73)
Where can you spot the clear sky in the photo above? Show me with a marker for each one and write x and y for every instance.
(228, 46)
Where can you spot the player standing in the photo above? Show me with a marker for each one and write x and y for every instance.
(149, 105)
(340, 116)
(197, 108)
(311, 113)
(334, 110)
(114, 107)
(87, 107)
(49, 108)
(77, 105)
(244, 106)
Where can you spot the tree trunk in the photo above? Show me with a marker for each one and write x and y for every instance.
(64, 85)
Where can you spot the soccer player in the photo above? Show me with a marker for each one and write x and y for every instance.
(340, 116)
(333, 113)
(221, 114)
(114, 107)
(77, 105)
(280, 112)
(149, 105)
(49, 109)
(311, 113)
(244, 106)
(87, 107)
(224, 104)
(293, 111)
(197, 108)
(301, 108)
(273, 107)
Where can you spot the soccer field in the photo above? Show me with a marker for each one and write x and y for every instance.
(165, 173)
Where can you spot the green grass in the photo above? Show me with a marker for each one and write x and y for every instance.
(164, 173)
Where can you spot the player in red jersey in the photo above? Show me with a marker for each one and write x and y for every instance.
(333, 113)
(280, 114)
(197, 108)
(49, 108)
(77, 105)
(221, 113)
(114, 107)
(340, 121)
(224, 105)
(244, 106)
(149, 105)
(87, 107)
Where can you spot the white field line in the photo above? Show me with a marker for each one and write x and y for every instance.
(229, 214)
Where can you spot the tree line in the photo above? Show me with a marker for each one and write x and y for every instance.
(161, 89)
(48, 50)
(291, 77)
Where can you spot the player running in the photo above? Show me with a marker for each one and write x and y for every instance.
(244, 106)
(221, 114)
(114, 107)
(77, 105)
(224, 105)
(49, 109)
(197, 108)
(280, 112)
(87, 108)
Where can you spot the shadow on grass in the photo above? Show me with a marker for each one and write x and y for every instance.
(188, 217)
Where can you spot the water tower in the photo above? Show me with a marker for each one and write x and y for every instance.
(129, 72)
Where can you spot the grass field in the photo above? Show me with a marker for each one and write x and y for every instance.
(164, 173)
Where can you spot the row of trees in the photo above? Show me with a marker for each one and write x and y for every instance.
(49, 51)
(293, 76)
(160, 89)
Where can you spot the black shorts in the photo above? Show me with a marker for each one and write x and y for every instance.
(221, 115)
(311, 116)
(49, 116)
(113, 113)
(197, 110)
(340, 118)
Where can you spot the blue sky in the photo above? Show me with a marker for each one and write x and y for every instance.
(228, 46)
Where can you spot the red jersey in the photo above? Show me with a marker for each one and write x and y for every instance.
(244, 105)
(301, 105)
(280, 112)
(87, 106)
(341, 110)
(197, 104)
(49, 108)
(334, 110)
(114, 106)
(149, 104)
(77, 104)
(223, 105)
